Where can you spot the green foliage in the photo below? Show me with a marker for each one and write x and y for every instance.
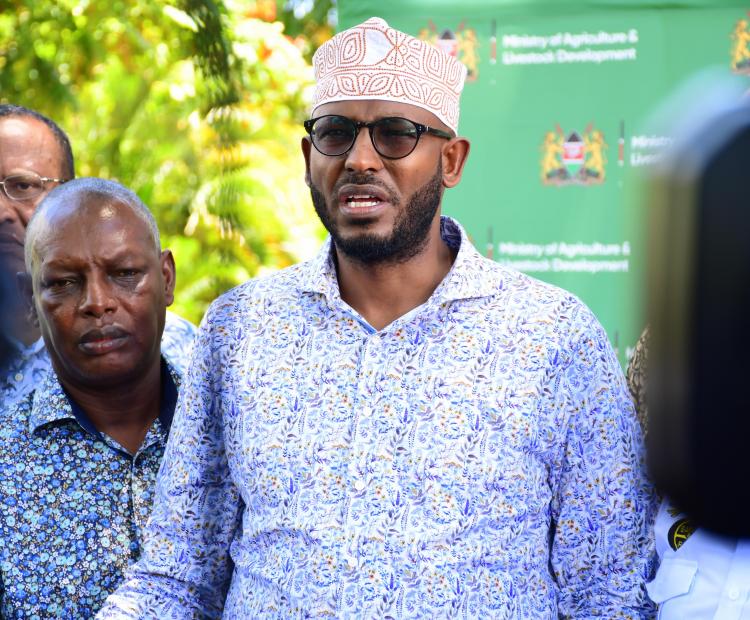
(309, 21)
(197, 106)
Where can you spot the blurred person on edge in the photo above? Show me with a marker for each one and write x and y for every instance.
(35, 157)
(79, 453)
(398, 427)
(703, 571)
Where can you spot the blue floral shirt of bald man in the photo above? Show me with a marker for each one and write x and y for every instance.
(73, 502)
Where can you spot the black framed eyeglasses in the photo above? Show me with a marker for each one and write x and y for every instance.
(392, 137)
(26, 186)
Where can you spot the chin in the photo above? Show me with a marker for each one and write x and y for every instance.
(108, 370)
(105, 374)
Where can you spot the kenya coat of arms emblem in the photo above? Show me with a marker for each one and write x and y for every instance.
(574, 159)
(461, 43)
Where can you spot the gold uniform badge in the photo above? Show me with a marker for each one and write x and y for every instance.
(679, 532)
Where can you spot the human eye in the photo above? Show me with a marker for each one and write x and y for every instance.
(22, 186)
(397, 128)
(333, 129)
(334, 134)
(58, 283)
(126, 275)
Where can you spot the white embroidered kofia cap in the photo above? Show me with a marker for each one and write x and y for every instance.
(375, 61)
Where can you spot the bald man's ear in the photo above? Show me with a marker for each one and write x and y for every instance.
(169, 274)
(26, 291)
(455, 152)
(306, 146)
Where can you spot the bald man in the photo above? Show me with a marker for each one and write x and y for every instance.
(79, 453)
(35, 157)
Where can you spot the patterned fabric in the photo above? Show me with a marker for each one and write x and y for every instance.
(73, 503)
(375, 61)
(636, 377)
(479, 457)
(30, 364)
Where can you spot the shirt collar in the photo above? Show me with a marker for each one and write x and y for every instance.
(469, 277)
(23, 350)
(319, 273)
(51, 402)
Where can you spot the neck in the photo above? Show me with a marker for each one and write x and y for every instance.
(123, 412)
(384, 292)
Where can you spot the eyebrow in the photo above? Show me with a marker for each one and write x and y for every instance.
(118, 256)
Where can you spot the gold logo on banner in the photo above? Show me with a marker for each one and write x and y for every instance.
(741, 47)
(574, 158)
(461, 43)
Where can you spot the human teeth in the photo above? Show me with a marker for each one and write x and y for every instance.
(362, 201)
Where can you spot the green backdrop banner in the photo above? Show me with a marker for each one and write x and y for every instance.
(556, 108)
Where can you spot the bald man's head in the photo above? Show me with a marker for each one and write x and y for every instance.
(83, 194)
(97, 282)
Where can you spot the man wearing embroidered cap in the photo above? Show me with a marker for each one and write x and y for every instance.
(398, 427)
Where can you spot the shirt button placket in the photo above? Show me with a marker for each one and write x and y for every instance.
(732, 603)
(136, 488)
(363, 406)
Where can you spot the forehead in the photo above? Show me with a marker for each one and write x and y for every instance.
(93, 227)
(27, 144)
(373, 109)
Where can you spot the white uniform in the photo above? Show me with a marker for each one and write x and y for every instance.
(701, 575)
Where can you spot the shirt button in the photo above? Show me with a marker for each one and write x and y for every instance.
(352, 562)
(18, 377)
(733, 594)
(359, 485)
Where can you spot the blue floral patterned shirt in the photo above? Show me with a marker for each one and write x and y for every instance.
(477, 458)
(73, 503)
(28, 365)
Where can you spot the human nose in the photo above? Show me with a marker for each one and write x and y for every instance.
(363, 156)
(97, 298)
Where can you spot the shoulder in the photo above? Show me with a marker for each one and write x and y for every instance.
(22, 374)
(536, 306)
(176, 326)
(14, 427)
(257, 295)
(636, 376)
(177, 341)
(246, 310)
(509, 296)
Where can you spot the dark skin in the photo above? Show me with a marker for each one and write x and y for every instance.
(100, 289)
(383, 292)
(26, 145)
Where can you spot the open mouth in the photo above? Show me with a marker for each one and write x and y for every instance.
(362, 201)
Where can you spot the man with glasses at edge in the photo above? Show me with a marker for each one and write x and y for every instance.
(35, 157)
(398, 427)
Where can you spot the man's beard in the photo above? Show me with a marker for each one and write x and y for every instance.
(410, 229)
